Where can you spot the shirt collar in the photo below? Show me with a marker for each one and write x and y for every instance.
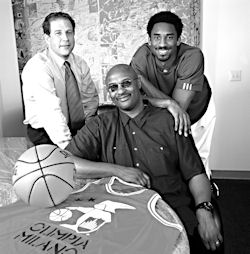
(59, 60)
(124, 118)
(139, 119)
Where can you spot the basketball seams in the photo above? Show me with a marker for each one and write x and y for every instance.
(28, 162)
(43, 181)
(33, 171)
(47, 187)
(56, 176)
(46, 156)
(44, 176)
(31, 189)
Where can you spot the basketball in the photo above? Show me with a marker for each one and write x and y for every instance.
(44, 176)
(60, 215)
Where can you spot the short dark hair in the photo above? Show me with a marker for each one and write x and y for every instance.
(165, 17)
(56, 15)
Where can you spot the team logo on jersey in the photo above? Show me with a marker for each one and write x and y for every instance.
(92, 218)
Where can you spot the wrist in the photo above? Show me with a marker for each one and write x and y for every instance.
(168, 102)
(207, 205)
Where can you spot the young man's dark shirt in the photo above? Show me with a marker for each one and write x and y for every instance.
(187, 73)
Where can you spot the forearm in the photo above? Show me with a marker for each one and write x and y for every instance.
(55, 125)
(160, 99)
(183, 97)
(151, 90)
(161, 103)
(200, 188)
(91, 169)
(208, 226)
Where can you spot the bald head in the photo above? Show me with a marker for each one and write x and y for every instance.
(119, 69)
(124, 86)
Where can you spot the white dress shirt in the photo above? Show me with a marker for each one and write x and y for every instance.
(44, 94)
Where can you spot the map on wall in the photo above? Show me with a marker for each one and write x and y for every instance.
(107, 31)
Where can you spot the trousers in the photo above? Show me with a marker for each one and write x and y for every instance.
(202, 132)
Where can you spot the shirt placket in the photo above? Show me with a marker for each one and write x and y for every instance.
(135, 148)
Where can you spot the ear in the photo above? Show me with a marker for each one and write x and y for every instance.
(149, 41)
(179, 41)
(46, 38)
(139, 82)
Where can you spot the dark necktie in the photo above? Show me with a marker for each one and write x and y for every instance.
(75, 109)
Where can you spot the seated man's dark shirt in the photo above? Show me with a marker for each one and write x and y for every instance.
(148, 142)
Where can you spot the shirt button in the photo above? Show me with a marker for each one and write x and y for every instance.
(137, 164)
(161, 148)
(133, 132)
(114, 147)
(135, 148)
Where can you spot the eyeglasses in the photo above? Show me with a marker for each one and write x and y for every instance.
(113, 87)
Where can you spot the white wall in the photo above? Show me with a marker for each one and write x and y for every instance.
(225, 43)
(11, 113)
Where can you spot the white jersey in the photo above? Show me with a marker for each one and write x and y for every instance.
(104, 217)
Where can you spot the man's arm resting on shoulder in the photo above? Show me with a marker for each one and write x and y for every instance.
(91, 169)
(161, 100)
(199, 186)
(183, 97)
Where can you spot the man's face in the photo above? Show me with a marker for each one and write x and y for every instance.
(61, 39)
(123, 88)
(163, 41)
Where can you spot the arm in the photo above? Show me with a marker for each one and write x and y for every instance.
(193, 172)
(159, 99)
(156, 97)
(42, 105)
(199, 186)
(183, 97)
(90, 169)
(86, 149)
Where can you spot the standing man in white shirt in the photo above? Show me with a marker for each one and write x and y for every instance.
(47, 107)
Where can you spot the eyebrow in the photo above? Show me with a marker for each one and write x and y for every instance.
(67, 30)
(165, 34)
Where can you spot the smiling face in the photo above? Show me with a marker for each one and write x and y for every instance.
(163, 42)
(61, 39)
(123, 86)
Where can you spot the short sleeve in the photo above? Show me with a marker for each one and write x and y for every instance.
(85, 143)
(139, 60)
(190, 71)
(189, 160)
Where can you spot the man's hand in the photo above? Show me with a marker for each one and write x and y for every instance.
(209, 229)
(133, 175)
(182, 122)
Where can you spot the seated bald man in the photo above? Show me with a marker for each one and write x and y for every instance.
(138, 144)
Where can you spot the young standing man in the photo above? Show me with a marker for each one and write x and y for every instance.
(172, 75)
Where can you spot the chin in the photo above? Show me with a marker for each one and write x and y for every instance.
(163, 58)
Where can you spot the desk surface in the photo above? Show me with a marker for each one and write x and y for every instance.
(12, 148)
